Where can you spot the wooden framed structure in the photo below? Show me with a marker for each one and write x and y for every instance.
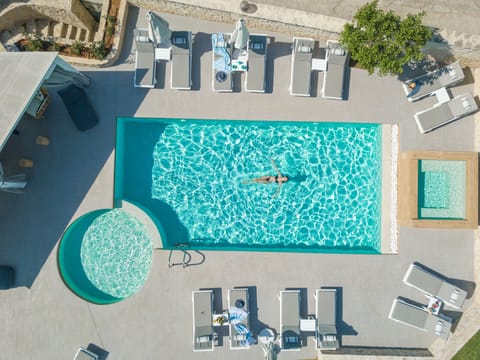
(408, 192)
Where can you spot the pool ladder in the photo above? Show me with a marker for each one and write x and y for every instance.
(186, 258)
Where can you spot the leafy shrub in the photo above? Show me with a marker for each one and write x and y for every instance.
(77, 48)
(98, 50)
(111, 22)
(34, 43)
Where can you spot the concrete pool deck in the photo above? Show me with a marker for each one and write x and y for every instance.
(42, 319)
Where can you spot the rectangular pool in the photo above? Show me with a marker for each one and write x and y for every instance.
(194, 178)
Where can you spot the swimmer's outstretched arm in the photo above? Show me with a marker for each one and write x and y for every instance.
(276, 168)
(278, 190)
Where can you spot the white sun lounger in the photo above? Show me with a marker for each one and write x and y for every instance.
(326, 337)
(84, 354)
(181, 72)
(202, 320)
(432, 285)
(334, 78)
(145, 65)
(417, 317)
(446, 76)
(444, 113)
(255, 78)
(290, 320)
(237, 340)
(222, 80)
(301, 74)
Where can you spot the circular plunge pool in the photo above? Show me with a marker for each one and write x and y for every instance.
(105, 256)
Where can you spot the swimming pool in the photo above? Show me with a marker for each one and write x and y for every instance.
(193, 176)
(442, 189)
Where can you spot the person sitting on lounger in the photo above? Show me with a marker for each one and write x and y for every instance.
(269, 179)
(414, 87)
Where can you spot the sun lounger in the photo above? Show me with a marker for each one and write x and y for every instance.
(417, 317)
(202, 320)
(144, 60)
(444, 113)
(238, 303)
(326, 336)
(255, 79)
(181, 74)
(301, 74)
(290, 320)
(334, 78)
(427, 84)
(221, 63)
(84, 354)
(432, 285)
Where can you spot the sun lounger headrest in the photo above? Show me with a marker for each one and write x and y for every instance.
(330, 338)
(241, 337)
(178, 40)
(257, 46)
(204, 339)
(305, 49)
(338, 51)
(291, 339)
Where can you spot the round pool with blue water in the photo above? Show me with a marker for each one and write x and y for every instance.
(196, 177)
(105, 256)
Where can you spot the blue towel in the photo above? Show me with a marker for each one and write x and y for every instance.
(224, 63)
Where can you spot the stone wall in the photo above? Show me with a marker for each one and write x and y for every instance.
(63, 11)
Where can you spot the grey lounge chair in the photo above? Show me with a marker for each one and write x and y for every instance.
(334, 78)
(417, 317)
(255, 79)
(427, 84)
(326, 336)
(181, 73)
(222, 80)
(433, 285)
(301, 74)
(202, 320)
(239, 298)
(84, 354)
(290, 320)
(145, 66)
(444, 113)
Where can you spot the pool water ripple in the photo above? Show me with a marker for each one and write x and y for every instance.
(116, 253)
(332, 198)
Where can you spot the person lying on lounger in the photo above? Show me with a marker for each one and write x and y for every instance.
(269, 179)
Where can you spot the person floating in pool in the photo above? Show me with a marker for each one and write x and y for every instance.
(278, 179)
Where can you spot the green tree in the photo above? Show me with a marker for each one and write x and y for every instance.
(382, 40)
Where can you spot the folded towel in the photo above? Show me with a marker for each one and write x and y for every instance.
(219, 48)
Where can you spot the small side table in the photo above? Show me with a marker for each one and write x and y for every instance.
(307, 325)
(434, 305)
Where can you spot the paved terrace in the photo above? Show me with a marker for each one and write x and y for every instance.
(42, 319)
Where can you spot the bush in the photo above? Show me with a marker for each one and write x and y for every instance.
(98, 50)
(382, 40)
(34, 43)
(110, 27)
(54, 46)
(77, 48)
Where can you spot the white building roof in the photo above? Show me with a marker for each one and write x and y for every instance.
(21, 76)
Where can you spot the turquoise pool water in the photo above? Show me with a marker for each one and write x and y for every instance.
(442, 189)
(105, 256)
(192, 175)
